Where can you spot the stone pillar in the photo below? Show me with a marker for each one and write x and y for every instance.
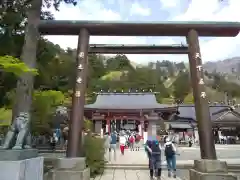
(68, 168)
(152, 128)
(21, 164)
(98, 126)
(210, 170)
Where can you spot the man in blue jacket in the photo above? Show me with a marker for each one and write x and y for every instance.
(113, 145)
(153, 151)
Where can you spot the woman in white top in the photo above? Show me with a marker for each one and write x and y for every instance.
(122, 143)
(107, 141)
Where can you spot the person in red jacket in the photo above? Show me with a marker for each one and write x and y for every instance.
(131, 142)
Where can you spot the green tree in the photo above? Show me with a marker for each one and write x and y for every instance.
(119, 62)
(25, 83)
(44, 106)
(24, 88)
(15, 66)
(5, 117)
(189, 99)
(181, 86)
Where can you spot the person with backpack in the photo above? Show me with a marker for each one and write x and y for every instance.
(152, 147)
(170, 154)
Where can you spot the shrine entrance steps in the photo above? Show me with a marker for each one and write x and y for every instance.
(121, 174)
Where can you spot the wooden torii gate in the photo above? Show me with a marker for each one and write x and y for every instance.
(190, 30)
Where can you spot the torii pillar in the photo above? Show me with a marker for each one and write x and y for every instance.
(204, 123)
(75, 148)
(208, 167)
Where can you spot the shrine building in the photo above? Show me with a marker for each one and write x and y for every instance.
(225, 119)
(222, 116)
(139, 112)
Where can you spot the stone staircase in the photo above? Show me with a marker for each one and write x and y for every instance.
(121, 174)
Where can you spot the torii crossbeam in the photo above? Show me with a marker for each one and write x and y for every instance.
(137, 49)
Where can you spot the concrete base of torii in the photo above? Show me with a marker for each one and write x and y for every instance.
(210, 170)
(68, 169)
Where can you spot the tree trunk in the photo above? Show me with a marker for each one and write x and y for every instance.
(26, 81)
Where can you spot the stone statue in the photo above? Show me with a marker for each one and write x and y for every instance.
(18, 136)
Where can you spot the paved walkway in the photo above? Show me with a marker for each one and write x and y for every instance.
(185, 157)
(130, 158)
(130, 175)
(229, 153)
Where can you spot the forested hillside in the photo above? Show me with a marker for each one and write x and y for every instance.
(55, 74)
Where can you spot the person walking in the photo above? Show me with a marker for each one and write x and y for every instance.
(170, 154)
(122, 143)
(131, 142)
(65, 137)
(152, 147)
(137, 142)
(107, 142)
(190, 142)
(53, 141)
(113, 146)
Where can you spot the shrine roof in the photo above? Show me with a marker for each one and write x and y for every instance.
(188, 111)
(230, 115)
(127, 101)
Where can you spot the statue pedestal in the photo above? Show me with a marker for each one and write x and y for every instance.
(21, 165)
(210, 170)
(68, 169)
(16, 155)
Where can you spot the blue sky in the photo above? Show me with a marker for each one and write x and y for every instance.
(212, 49)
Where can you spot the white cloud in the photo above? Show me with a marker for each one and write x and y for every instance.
(205, 10)
(87, 10)
(198, 10)
(169, 3)
(137, 9)
(91, 10)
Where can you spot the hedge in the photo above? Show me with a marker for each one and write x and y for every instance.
(95, 154)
